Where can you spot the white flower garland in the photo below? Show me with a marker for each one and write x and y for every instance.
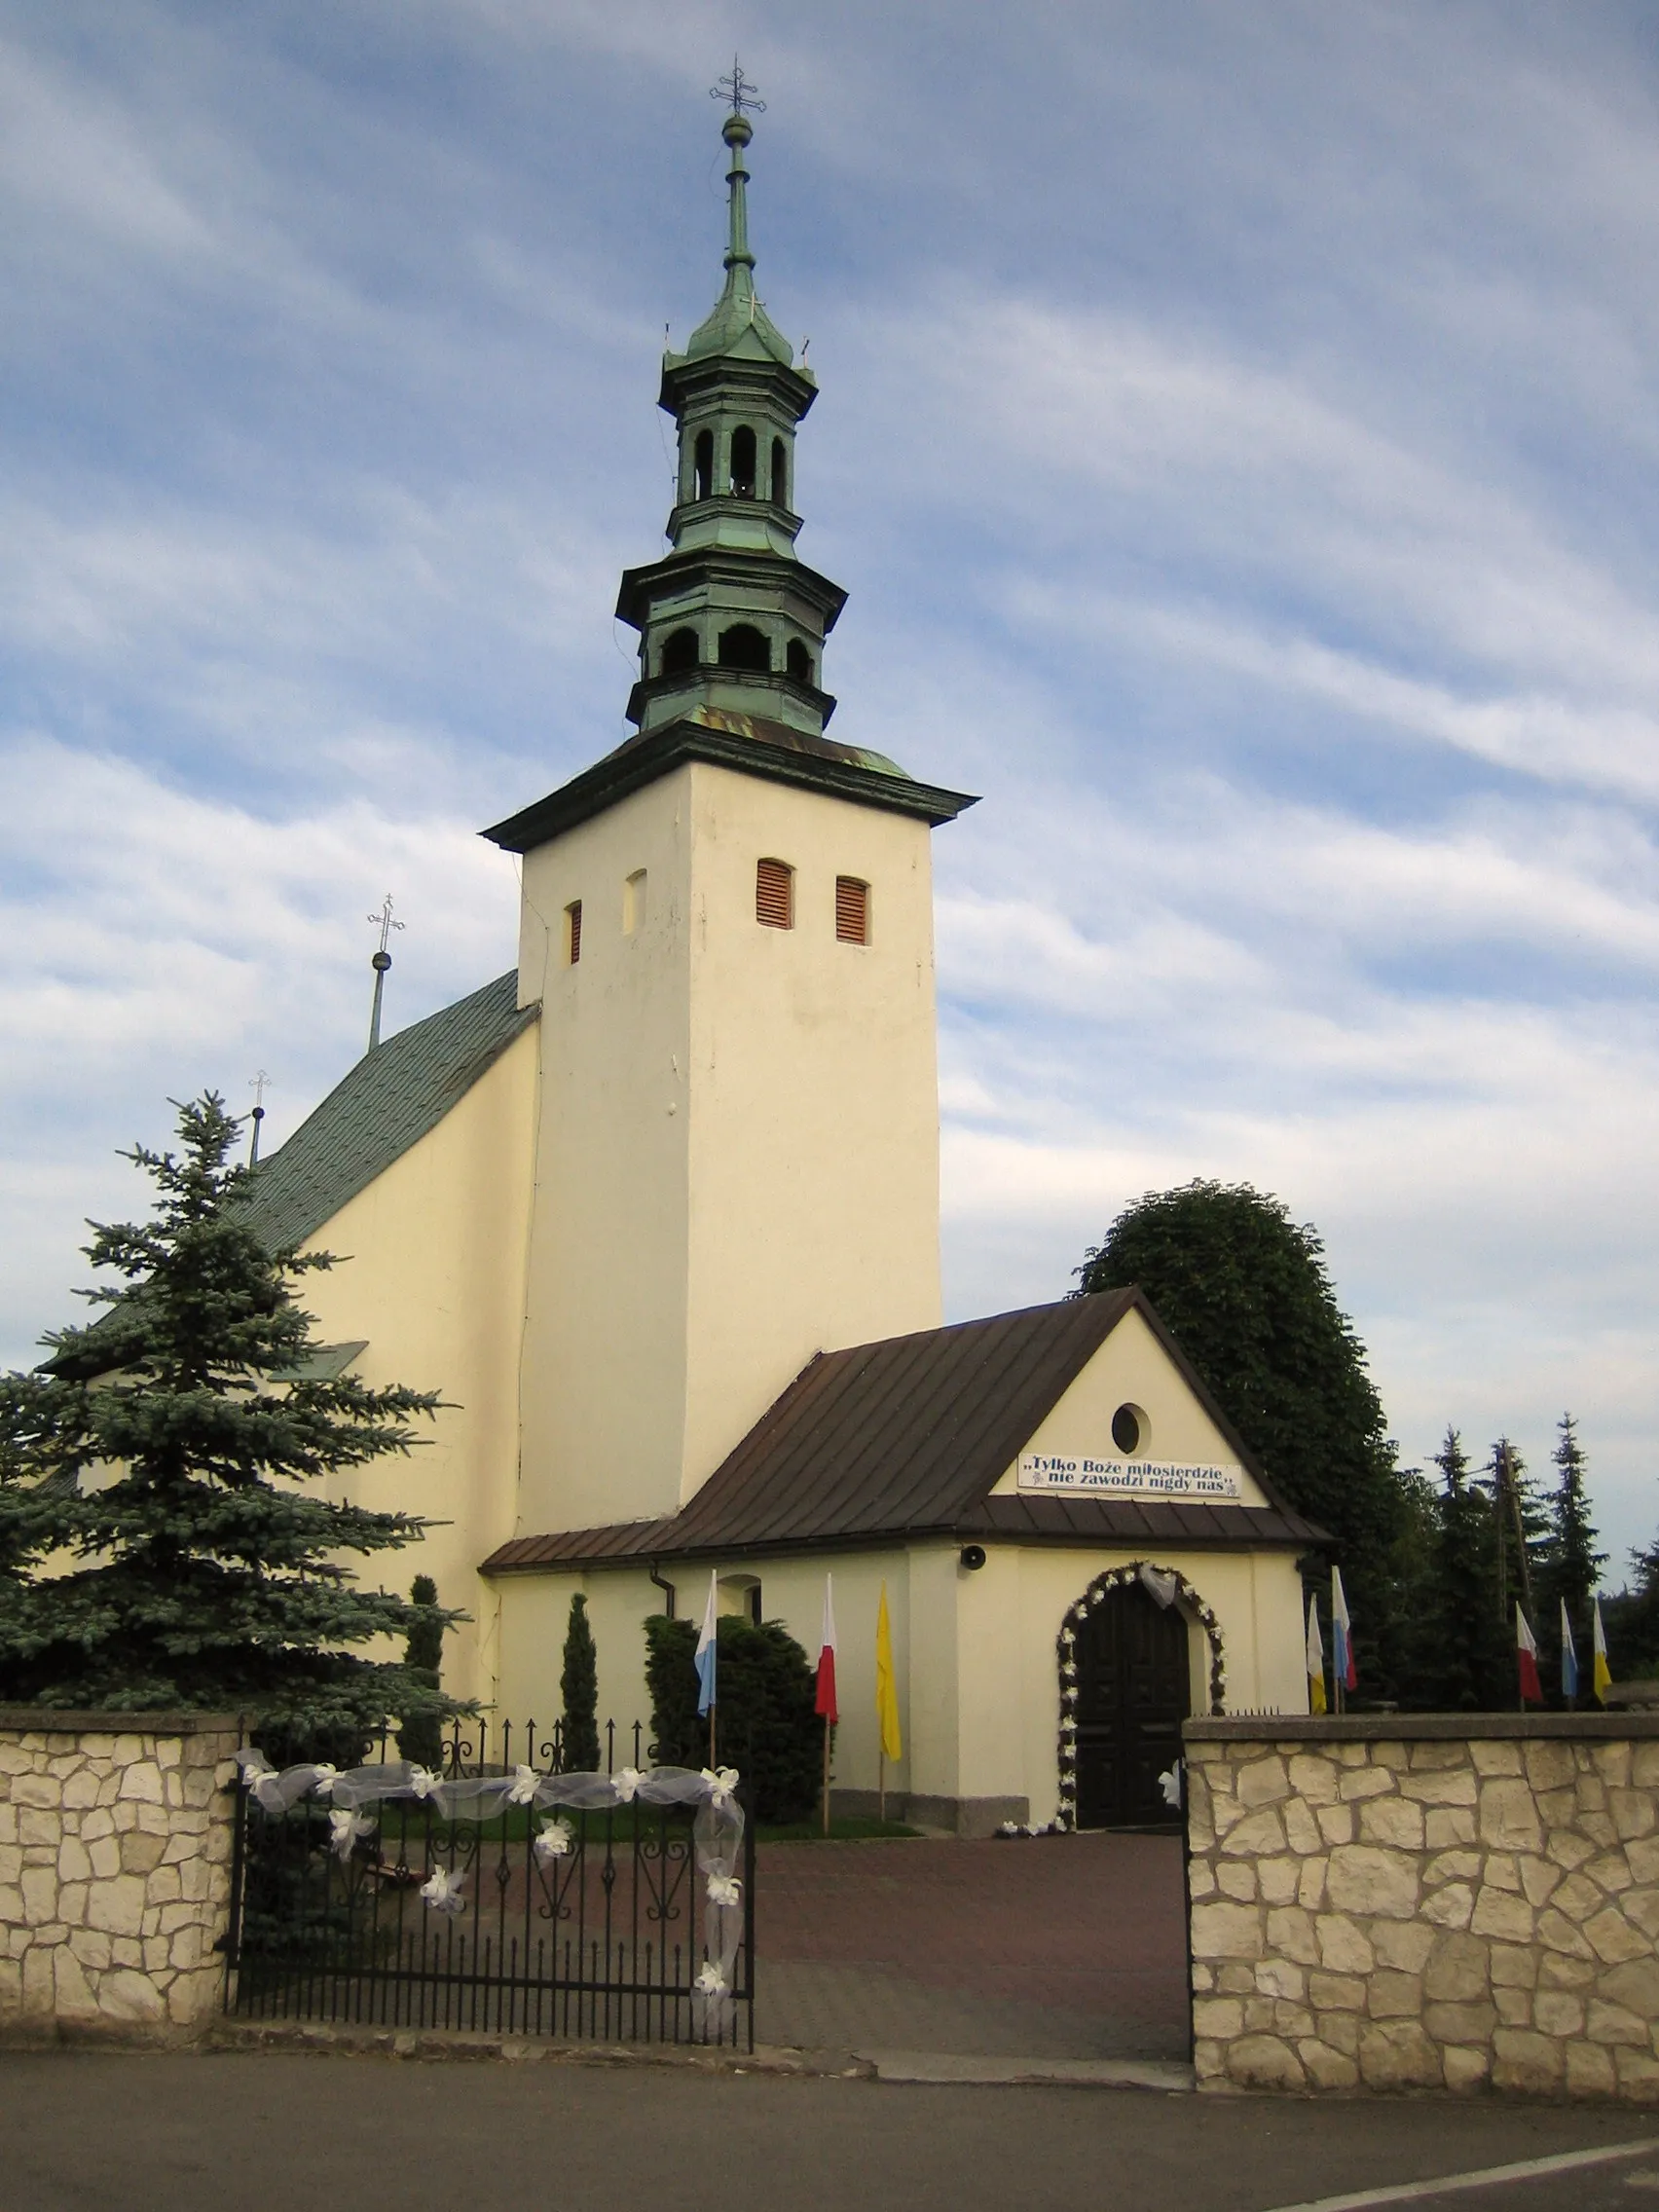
(1163, 1583)
(716, 1832)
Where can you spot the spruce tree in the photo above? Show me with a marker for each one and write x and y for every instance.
(1246, 1295)
(1476, 1666)
(1632, 1620)
(1520, 1529)
(157, 1547)
(579, 1688)
(1569, 1566)
(1417, 1645)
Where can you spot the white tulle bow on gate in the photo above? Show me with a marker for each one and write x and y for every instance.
(717, 1831)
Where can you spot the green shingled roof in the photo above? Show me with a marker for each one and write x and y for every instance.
(389, 1100)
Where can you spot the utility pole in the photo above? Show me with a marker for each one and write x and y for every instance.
(1509, 1516)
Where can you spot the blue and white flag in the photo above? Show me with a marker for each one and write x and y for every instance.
(1568, 1656)
(707, 1652)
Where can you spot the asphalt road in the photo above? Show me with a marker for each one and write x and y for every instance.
(272, 2132)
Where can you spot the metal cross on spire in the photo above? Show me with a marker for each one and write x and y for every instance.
(386, 924)
(742, 92)
(380, 963)
(256, 1083)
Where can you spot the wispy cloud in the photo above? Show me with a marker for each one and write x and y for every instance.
(1238, 429)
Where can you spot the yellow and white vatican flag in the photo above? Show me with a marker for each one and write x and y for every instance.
(1315, 1658)
(1601, 1673)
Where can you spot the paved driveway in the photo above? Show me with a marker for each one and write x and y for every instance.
(1065, 1946)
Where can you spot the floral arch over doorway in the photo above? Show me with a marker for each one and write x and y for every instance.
(1167, 1586)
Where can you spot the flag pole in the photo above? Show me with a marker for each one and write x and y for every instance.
(823, 1699)
(708, 1659)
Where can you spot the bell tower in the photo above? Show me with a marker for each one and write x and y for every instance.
(730, 617)
(728, 925)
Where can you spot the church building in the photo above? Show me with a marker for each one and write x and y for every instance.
(658, 1212)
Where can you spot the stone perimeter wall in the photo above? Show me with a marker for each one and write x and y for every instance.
(1434, 1903)
(115, 1869)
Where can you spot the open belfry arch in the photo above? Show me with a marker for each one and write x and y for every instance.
(658, 1212)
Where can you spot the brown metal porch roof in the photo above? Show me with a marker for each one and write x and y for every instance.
(905, 1438)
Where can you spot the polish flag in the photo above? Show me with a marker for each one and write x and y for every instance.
(1527, 1660)
(823, 1702)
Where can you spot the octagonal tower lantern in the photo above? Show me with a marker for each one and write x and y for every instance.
(730, 620)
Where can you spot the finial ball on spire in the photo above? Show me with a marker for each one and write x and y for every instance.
(737, 130)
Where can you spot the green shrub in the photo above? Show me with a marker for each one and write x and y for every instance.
(578, 1686)
(421, 1738)
(764, 1723)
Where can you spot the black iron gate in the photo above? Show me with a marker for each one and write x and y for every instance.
(600, 1938)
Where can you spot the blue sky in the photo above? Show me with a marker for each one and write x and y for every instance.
(1238, 435)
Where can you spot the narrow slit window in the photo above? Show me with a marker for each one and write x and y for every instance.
(774, 894)
(852, 910)
(780, 474)
(633, 903)
(703, 464)
(574, 931)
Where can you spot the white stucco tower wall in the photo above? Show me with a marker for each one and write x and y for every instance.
(737, 1158)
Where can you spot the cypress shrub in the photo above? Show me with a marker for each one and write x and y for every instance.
(421, 1738)
(765, 1725)
(578, 1686)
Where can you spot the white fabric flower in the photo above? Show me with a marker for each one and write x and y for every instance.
(526, 1782)
(254, 1768)
(324, 1779)
(725, 1888)
(710, 1981)
(442, 1890)
(424, 1783)
(555, 1839)
(344, 1830)
(627, 1783)
(721, 1782)
(1159, 1584)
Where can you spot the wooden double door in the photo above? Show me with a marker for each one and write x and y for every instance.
(1133, 1686)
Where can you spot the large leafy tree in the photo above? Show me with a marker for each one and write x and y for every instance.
(1246, 1293)
(158, 1546)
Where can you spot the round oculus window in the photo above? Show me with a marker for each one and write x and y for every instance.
(1127, 1430)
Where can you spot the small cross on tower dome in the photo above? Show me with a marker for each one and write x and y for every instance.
(742, 92)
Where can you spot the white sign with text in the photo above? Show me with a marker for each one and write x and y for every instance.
(1127, 1478)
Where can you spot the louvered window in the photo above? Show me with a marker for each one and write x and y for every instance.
(852, 910)
(774, 894)
(574, 931)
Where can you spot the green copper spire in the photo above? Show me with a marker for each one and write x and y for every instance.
(731, 621)
(739, 324)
